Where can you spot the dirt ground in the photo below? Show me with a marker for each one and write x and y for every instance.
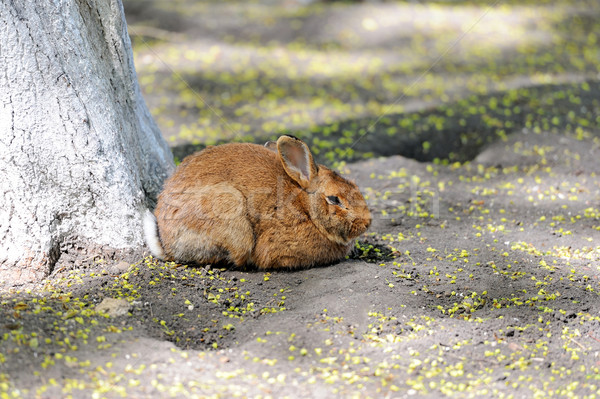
(478, 278)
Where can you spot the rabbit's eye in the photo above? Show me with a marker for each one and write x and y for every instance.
(333, 200)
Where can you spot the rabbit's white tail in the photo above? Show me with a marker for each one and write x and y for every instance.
(151, 235)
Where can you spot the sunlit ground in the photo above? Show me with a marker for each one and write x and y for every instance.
(465, 73)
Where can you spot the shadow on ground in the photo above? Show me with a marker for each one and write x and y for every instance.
(456, 131)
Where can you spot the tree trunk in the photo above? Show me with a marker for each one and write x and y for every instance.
(80, 154)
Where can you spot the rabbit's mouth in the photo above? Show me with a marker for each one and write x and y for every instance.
(355, 229)
(359, 226)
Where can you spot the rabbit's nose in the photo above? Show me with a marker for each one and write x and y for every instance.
(367, 218)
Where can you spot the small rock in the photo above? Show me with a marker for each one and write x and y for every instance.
(113, 307)
(122, 266)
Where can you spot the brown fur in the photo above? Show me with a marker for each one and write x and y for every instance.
(247, 204)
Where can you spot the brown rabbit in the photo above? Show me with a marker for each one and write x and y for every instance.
(270, 206)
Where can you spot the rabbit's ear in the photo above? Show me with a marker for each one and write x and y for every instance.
(297, 160)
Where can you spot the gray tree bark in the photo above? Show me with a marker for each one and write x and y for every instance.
(80, 155)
